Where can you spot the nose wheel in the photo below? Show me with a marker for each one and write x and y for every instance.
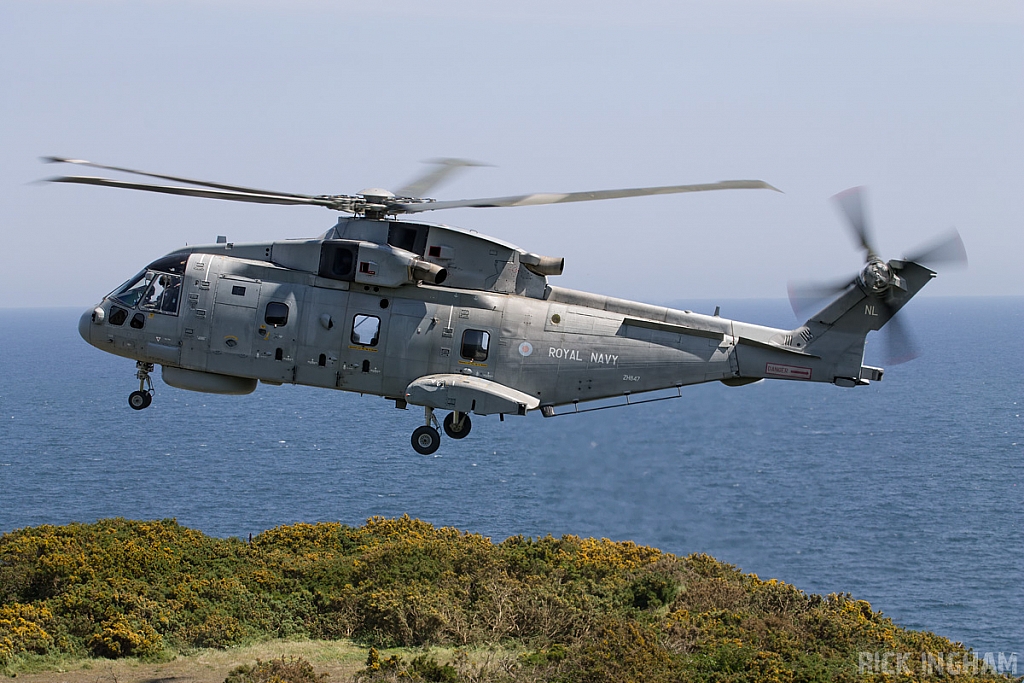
(140, 399)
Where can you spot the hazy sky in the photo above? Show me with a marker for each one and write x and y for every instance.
(923, 102)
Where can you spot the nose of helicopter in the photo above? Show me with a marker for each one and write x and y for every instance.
(85, 325)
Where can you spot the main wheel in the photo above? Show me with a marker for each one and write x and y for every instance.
(139, 400)
(149, 399)
(457, 432)
(425, 440)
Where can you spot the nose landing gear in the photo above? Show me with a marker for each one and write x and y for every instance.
(144, 396)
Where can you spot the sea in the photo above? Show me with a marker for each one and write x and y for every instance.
(908, 493)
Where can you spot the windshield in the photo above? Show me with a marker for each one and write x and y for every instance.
(130, 292)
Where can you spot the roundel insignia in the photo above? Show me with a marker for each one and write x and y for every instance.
(525, 349)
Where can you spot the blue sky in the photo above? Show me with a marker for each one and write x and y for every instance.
(922, 103)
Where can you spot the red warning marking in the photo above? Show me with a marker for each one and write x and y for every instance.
(793, 371)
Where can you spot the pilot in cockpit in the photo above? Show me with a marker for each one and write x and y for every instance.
(172, 289)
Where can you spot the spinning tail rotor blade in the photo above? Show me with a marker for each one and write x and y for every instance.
(948, 249)
(851, 203)
(806, 297)
(538, 199)
(899, 344)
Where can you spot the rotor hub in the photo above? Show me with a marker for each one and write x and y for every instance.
(877, 276)
(376, 195)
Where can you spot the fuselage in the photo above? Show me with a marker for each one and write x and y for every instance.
(247, 319)
(222, 322)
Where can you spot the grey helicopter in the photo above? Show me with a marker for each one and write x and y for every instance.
(450, 320)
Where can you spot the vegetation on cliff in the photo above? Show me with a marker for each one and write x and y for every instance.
(571, 609)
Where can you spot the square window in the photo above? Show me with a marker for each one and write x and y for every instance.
(366, 330)
(277, 314)
(475, 344)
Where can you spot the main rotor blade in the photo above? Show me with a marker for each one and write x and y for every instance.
(176, 179)
(947, 249)
(554, 198)
(446, 168)
(851, 203)
(253, 197)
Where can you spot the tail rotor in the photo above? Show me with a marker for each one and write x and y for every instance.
(878, 278)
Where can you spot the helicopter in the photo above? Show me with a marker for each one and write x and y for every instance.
(450, 320)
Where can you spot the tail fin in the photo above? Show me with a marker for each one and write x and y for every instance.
(837, 333)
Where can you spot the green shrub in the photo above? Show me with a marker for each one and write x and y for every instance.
(119, 637)
(283, 670)
(580, 609)
(421, 668)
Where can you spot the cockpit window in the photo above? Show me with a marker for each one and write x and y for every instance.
(130, 293)
(163, 293)
(151, 291)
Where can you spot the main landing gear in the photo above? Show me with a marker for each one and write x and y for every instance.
(144, 396)
(457, 425)
(427, 439)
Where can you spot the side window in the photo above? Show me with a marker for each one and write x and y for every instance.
(366, 330)
(277, 314)
(138, 321)
(117, 316)
(474, 345)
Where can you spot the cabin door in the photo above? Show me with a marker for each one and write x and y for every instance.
(363, 356)
(233, 327)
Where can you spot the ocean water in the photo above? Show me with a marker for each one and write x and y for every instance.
(908, 493)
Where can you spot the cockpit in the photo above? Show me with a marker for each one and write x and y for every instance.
(157, 289)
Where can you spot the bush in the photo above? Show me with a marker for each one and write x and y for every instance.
(120, 638)
(283, 670)
(422, 668)
(581, 609)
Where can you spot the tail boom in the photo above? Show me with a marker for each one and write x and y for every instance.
(829, 346)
